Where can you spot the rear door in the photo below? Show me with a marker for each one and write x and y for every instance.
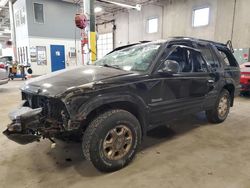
(230, 64)
(230, 67)
(216, 73)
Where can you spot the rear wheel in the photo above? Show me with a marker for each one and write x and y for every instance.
(111, 140)
(221, 109)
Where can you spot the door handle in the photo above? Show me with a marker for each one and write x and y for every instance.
(210, 84)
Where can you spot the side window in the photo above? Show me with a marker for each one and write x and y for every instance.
(228, 59)
(189, 60)
(178, 55)
(198, 63)
(209, 57)
(224, 57)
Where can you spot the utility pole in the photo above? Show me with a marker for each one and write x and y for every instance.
(89, 6)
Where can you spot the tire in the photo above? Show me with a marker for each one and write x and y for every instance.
(103, 132)
(219, 114)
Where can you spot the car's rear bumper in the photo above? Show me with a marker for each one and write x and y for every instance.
(4, 81)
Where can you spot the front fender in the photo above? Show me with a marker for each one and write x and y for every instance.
(106, 99)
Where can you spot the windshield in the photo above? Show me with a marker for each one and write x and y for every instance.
(135, 58)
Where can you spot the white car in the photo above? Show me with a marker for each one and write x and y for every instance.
(4, 76)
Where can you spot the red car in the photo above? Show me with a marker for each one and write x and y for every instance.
(245, 77)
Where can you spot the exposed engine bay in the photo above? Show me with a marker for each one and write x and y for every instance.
(38, 117)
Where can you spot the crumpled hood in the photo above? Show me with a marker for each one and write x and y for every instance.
(58, 82)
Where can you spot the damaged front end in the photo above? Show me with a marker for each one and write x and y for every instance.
(25, 125)
(39, 117)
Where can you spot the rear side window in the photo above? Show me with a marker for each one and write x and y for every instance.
(224, 57)
(227, 58)
(208, 56)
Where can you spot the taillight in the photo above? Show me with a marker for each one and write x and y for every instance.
(2, 66)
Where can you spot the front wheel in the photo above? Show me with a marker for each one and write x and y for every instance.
(221, 109)
(111, 140)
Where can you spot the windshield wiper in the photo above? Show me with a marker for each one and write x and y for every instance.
(112, 66)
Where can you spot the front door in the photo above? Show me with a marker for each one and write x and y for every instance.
(183, 92)
(57, 57)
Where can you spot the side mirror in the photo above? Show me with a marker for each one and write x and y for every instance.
(170, 67)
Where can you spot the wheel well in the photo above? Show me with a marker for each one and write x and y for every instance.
(231, 89)
(128, 106)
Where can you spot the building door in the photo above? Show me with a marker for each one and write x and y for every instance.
(57, 57)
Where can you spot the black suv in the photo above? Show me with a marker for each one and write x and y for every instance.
(133, 89)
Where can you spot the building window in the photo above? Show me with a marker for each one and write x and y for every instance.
(104, 44)
(201, 17)
(22, 16)
(38, 12)
(152, 25)
(17, 19)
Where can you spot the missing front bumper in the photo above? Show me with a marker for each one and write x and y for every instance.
(21, 138)
(24, 126)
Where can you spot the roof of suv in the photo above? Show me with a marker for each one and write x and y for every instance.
(197, 40)
(189, 39)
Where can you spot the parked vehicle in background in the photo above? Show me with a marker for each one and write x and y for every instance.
(6, 59)
(4, 75)
(130, 91)
(245, 78)
(14, 69)
(6, 63)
